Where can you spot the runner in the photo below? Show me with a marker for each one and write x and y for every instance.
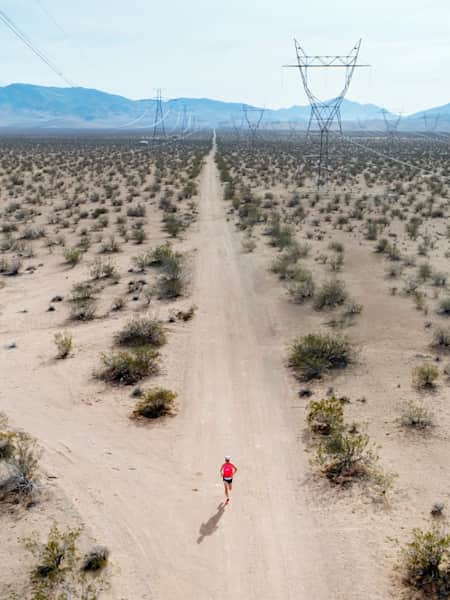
(227, 471)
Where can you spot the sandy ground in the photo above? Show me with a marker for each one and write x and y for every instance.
(152, 493)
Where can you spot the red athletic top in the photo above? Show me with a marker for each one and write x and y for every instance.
(227, 469)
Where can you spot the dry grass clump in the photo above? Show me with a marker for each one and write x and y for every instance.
(425, 376)
(315, 354)
(154, 403)
(441, 338)
(415, 415)
(72, 256)
(330, 294)
(142, 332)
(63, 343)
(19, 462)
(129, 367)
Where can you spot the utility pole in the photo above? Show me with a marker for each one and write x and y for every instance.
(159, 129)
(253, 117)
(325, 113)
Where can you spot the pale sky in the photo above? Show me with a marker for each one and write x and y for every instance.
(234, 50)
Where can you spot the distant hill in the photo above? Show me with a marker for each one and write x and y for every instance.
(32, 106)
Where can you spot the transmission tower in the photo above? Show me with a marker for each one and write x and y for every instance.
(159, 129)
(253, 117)
(431, 122)
(391, 123)
(325, 113)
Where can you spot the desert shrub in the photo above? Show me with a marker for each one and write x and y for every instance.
(96, 559)
(352, 308)
(283, 265)
(187, 315)
(59, 574)
(154, 403)
(330, 294)
(336, 262)
(441, 337)
(63, 343)
(10, 266)
(174, 276)
(248, 244)
(103, 269)
(325, 416)
(160, 255)
(315, 354)
(138, 235)
(118, 303)
(172, 225)
(381, 246)
(83, 310)
(302, 286)
(72, 256)
(20, 481)
(137, 210)
(392, 252)
(128, 367)
(415, 415)
(424, 271)
(142, 332)
(444, 306)
(344, 455)
(336, 247)
(110, 247)
(427, 562)
(439, 279)
(425, 376)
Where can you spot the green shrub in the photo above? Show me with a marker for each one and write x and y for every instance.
(343, 455)
(72, 256)
(172, 224)
(154, 403)
(142, 332)
(330, 294)
(174, 276)
(325, 416)
(63, 342)
(315, 354)
(427, 562)
(128, 367)
(425, 376)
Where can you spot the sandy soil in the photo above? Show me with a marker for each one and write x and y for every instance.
(152, 493)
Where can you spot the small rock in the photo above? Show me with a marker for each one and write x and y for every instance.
(57, 299)
(51, 309)
(305, 393)
(11, 345)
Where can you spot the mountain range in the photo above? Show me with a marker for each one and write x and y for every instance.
(25, 106)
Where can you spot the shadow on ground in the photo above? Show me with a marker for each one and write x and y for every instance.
(212, 524)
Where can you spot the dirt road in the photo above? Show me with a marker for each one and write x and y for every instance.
(153, 494)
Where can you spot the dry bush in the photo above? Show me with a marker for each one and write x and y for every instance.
(154, 403)
(426, 560)
(63, 343)
(18, 480)
(129, 367)
(72, 256)
(103, 269)
(60, 574)
(325, 416)
(315, 354)
(415, 415)
(141, 332)
(441, 338)
(330, 294)
(425, 376)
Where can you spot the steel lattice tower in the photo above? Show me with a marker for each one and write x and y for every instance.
(159, 129)
(325, 114)
(253, 124)
(391, 124)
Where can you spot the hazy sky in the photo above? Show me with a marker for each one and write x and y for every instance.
(233, 50)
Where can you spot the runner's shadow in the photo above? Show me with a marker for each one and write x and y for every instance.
(212, 524)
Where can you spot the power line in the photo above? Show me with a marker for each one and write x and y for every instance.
(26, 40)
